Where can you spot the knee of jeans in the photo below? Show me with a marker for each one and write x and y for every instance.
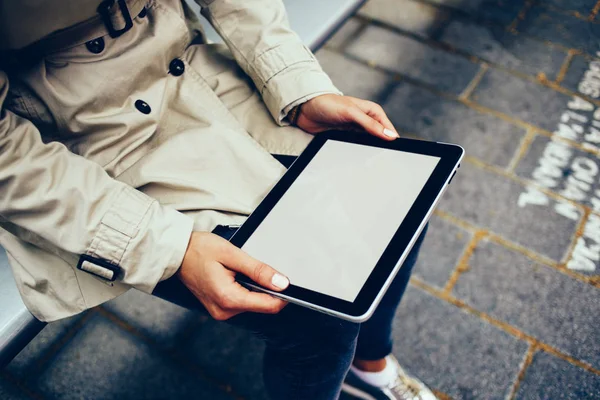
(339, 333)
(314, 332)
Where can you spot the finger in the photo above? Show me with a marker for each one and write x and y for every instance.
(257, 302)
(222, 315)
(261, 273)
(233, 298)
(370, 124)
(376, 112)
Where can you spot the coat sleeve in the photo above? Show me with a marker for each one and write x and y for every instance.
(285, 72)
(71, 206)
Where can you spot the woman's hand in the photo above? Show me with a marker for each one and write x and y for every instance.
(209, 268)
(330, 111)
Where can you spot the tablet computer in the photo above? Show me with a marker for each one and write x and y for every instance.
(343, 218)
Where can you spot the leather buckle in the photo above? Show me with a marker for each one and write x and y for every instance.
(104, 10)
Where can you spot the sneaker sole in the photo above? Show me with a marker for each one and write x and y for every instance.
(351, 390)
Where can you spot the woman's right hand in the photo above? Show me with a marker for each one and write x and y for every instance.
(209, 268)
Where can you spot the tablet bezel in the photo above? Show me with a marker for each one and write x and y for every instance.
(449, 155)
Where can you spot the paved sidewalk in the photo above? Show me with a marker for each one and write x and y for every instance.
(505, 299)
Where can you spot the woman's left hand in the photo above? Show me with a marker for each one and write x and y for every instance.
(331, 111)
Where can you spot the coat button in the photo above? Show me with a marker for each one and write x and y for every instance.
(176, 67)
(142, 107)
(143, 13)
(95, 46)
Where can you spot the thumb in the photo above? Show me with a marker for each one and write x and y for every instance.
(261, 273)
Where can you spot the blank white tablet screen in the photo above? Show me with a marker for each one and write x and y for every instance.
(333, 224)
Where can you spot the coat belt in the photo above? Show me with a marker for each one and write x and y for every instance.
(114, 18)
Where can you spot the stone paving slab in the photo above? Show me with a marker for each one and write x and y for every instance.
(158, 319)
(584, 7)
(572, 118)
(345, 33)
(495, 44)
(353, 78)
(549, 377)
(417, 111)
(491, 201)
(442, 248)
(420, 18)
(8, 391)
(579, 68)
(500, 11)
(568, 171)
(103, 362)
(521, 99)
(561, 28)
(442, 70)
(453, 351)
(52, 335)
(535, 298)
(229, 354)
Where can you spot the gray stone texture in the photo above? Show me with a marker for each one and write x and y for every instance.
(520, 98)
(565, 178)
(9, 391)
(442, 70)
(346, 33)
(104, 362)
(490, 201)
(353, 78)
(453, 351)
(158, 319)
(580, 71)
(229, 354)
(499, 11)
(495, 44)
(419, 112)
(561, 28)
(39, 349)
(535, 298)
(584, 7)
(549, 377)
(408, 15)
(442, 248)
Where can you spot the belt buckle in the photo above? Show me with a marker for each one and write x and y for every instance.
(104, 11)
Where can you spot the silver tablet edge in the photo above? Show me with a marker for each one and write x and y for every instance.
(388, 282)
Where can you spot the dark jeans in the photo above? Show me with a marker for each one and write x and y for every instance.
(309, 353)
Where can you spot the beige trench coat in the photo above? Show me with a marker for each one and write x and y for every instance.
(109, 155)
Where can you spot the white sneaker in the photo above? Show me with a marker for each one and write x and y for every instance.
(404, 387)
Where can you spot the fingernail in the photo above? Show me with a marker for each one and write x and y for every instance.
(280, 281)
(390, 133)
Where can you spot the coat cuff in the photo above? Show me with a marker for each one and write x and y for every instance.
(139, 242)
(289, 75)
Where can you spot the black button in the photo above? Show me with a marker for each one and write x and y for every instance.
(95, 46)
(142, 107)
(176, 67)
(143, 13)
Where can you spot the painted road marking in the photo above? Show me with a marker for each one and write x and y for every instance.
(580, 123)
